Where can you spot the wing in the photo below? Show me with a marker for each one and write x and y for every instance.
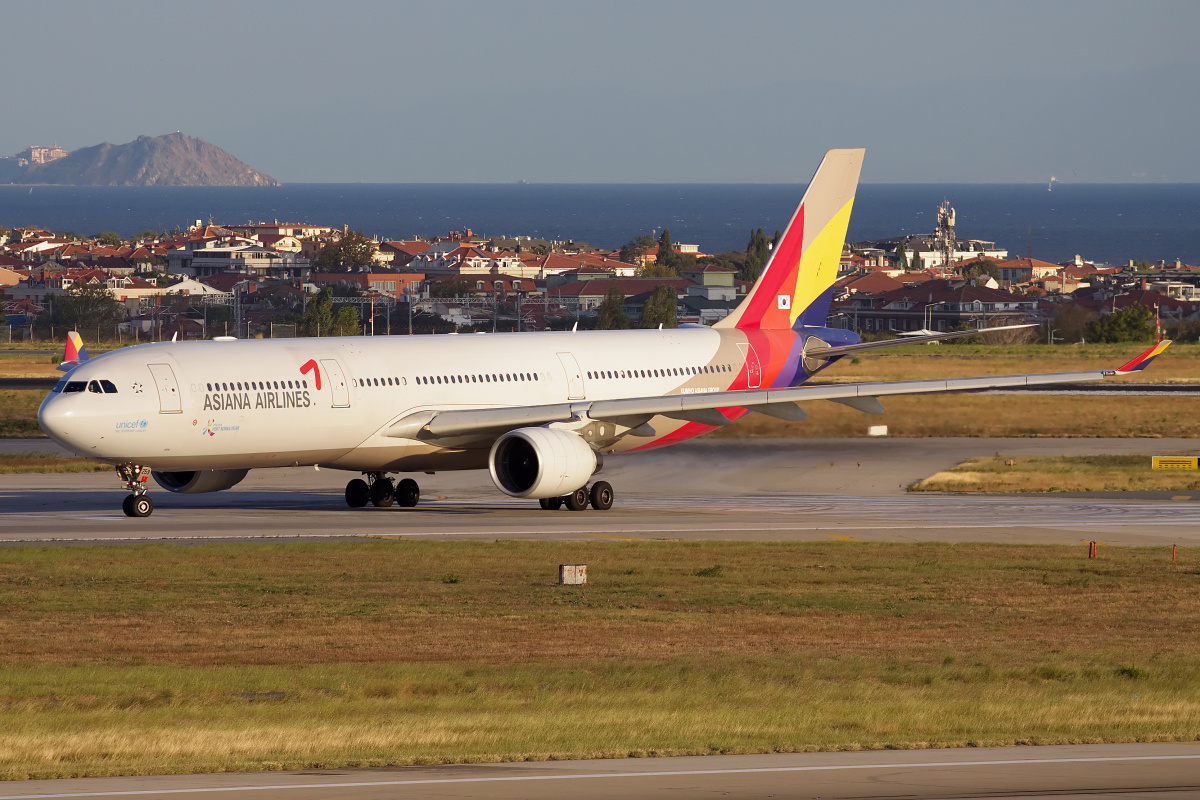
(841, 350)
(704, 408)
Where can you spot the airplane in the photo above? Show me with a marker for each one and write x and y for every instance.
(540, 411)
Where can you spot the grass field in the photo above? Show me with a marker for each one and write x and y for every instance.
(18, 412)
(160, 658)
(1059, 474)
(24, 463)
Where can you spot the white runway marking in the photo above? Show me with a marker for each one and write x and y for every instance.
(598, 775)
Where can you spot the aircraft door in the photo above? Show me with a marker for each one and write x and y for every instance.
(337, 382)
(575, 389)
(753, 365)
(169, 401)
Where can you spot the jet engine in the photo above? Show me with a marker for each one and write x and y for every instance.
(204, 480)
(541, 462)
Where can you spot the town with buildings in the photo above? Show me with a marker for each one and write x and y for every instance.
(264, 280)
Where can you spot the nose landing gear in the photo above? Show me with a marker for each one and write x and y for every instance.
(137, 504)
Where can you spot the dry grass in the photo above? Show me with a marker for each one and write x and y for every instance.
(1059, 474)
(18, 413)
(24, 463)
(29, 366)
(989, 416)
(178, 658)
(1179, 364)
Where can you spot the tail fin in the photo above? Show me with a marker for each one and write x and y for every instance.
(1143, 360)
(796, 285)
(75, 354)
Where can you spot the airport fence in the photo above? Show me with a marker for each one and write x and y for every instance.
(282, 331)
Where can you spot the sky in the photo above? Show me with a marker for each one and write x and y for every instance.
(621, 92)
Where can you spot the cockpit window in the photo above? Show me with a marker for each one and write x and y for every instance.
(94, 387)
(109, 387)
(74, 386)
(58, 387)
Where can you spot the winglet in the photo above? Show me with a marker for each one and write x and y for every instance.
(1142, 361)
(75, 354)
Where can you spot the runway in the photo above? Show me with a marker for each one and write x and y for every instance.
(1160, 771)
(797, 489)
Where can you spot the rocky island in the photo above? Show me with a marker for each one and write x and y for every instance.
(170, 160)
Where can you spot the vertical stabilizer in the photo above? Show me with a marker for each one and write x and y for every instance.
(75, 353)
(797, 282)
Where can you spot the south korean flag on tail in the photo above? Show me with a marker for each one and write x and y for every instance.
(785, 302)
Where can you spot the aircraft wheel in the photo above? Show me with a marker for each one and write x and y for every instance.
(550, 503)
(382, 493)
(141, 505)
(577, 500)
(601, 496)
(358, 494)
(127, 505)
(408, 493)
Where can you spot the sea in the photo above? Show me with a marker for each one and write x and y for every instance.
(1108, 223)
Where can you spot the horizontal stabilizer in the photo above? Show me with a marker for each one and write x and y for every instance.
(830, 352)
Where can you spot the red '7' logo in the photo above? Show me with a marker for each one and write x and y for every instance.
(311, 366)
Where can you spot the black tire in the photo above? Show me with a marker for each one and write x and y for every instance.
(358, 494)
(577, 500)
(383, 494)
(142, 505)
(601, 496)
(127, 505)
(408, 493)
(550, 503)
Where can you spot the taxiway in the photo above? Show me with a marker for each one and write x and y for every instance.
(793, 489)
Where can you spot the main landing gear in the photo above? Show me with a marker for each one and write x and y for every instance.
(600, 496)
(379, 491)
(137, 504)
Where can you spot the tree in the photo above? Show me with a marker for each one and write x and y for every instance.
(1070, 323)
(318, 316)
(657, 271)
(758, 251)
(457, 287)
(352, 249)
(635, 249)
(109, 238)
(667, 257)
(87, 307)
(346, 323)
(902, 255)
(1134, 323)
(611, 316)
(660, 308)
(984, 266)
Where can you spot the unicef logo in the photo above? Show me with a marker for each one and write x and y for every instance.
(132, 425)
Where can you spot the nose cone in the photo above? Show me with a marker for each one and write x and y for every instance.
(59, 423)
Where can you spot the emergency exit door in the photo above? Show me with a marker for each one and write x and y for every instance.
(575, 389)
(169, 401)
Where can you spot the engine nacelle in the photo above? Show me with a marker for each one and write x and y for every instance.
(204, 480)
(541, 462)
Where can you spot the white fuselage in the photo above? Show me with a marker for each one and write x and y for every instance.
(256, 403)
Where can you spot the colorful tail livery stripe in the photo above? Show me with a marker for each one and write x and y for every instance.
(1143, 361)
(75, 354)
(796, 283)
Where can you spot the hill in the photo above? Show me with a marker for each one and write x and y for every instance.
(170, 160)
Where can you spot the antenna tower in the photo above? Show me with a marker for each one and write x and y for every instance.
(946, 242)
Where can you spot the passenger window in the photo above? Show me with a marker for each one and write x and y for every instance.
(109, 387)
